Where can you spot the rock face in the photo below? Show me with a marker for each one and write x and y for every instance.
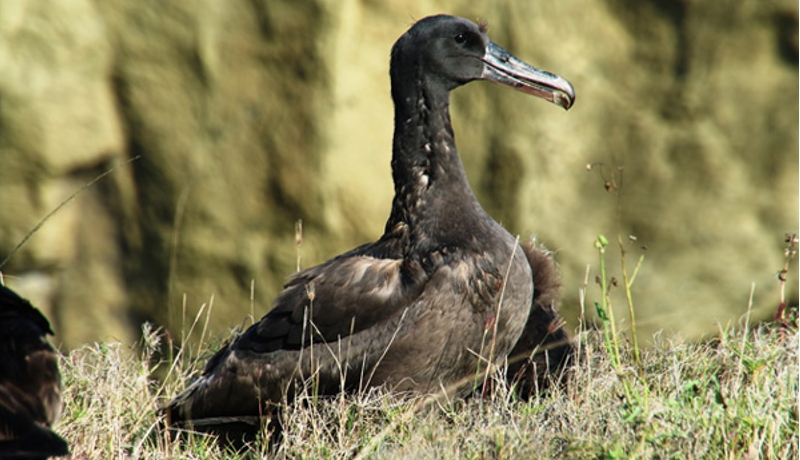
(225, 122)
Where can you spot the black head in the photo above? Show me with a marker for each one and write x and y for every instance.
(447, 49)
(443, 52)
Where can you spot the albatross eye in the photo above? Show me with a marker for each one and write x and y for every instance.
(461, 39)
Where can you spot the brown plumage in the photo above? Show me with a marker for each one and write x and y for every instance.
(30, 382)
(443, 292)
(544, 348)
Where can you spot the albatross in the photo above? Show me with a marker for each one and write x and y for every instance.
(445, 292)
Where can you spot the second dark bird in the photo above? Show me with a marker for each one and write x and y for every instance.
(30, 382)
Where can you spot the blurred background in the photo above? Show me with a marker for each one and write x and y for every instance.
(223, 122)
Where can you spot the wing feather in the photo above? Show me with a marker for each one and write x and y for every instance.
(340, 297)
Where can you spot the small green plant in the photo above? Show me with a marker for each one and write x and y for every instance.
(613, 183)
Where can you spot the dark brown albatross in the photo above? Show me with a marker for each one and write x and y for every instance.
(445, 290)
(30, 383)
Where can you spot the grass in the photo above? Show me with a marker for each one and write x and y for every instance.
(733, 396)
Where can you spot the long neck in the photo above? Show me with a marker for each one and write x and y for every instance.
(432, 196)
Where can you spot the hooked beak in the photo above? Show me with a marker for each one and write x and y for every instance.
(502, 67)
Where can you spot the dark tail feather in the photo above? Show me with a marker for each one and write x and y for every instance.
(544, 350)
(206, 399)
(220, 402)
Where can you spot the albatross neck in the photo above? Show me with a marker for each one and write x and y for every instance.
(432, 195)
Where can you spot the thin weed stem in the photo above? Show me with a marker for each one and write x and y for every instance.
(746, 326)
(496, 321)
(298, 242)
(629, 297)
(788, 254)
(604, 310)
(177, 222)
(63, 203)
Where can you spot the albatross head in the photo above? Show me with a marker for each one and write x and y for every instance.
(448, 52)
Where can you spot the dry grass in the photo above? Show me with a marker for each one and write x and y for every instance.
(735, 396)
